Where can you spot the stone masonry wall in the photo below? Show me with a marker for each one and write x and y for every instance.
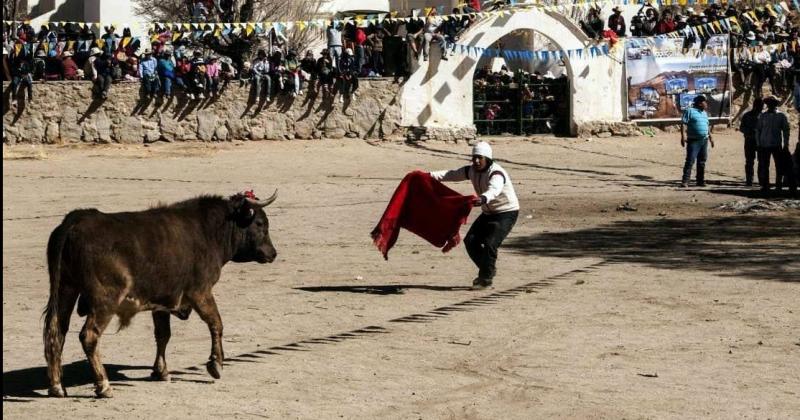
(64, 112)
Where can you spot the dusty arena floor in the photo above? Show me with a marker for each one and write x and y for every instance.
(675, 310)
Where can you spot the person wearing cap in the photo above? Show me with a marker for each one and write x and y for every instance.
(772, 139)
(39, 65)
(70, 67)
(197, 76)
(748, 128)
(499, 209)
(147, 74)
(695, 136)
(616, 22)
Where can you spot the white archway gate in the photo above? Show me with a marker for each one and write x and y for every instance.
(439, 93)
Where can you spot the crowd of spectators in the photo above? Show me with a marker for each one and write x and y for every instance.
(520, 102)
(354, 49)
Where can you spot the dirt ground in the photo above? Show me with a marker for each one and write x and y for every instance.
(676, 310)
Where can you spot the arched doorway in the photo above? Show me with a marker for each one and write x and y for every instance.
(515, 95)
(439, 94)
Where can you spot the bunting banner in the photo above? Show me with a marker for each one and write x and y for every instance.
(531, 55)
(664, 77)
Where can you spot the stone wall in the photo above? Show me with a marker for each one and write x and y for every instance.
(64, 112)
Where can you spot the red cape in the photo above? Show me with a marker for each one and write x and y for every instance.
(426, 207)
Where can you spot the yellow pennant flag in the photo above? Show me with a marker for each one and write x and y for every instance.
(100, 42)
(717, 25)
(187, 26)
(249, 29)
(153, 38)
(301, 24)
(17, 48)
(127, 40)
(175, 36)
(70, 44)
(428, 10)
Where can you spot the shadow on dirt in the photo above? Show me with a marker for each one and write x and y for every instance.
(763, 247)
(24, 383)
(389, 289)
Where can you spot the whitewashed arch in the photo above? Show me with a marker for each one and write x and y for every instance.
(439, 93)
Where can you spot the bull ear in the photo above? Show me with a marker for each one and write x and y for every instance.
(243, 212)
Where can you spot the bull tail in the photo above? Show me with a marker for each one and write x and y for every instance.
(52, 335)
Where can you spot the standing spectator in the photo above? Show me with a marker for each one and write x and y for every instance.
(199, 11)
(334, 36)
(665, 24)
(748, 128)
(772, 138)
(348, 75)
(261, 75)
(431, 35)
(148, 75)
(110, 39)
(212, 76)
(359, 40)
(22, 74)
(616, 22)
(166, 72)
(696, 120)
(70, 67)
(375, 41)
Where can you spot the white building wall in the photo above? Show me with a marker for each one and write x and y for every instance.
(439, 93)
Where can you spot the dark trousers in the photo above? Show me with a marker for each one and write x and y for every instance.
(485, 236)
(765, 155)
(749, 158)
(696, 151)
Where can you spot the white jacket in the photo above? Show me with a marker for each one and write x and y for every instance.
(493, 184)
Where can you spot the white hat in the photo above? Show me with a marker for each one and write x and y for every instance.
(67, 53)
(349, 51)
(750, 35)
(482, 148)
(95, 51)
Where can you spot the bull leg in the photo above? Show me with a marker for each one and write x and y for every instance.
(55, 330)
(95, 324)
(162, 333)
(206, 307)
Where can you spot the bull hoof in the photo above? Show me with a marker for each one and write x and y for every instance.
(160, 376)
(214, 368)
(103, 390)
(57, 391)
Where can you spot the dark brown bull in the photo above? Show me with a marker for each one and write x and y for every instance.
(165, 259)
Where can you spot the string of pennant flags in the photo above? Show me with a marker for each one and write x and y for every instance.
(538, 55)
(248, 28)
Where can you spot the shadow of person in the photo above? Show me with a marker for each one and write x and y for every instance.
(751, 246)
(23, 383)
(384, 289)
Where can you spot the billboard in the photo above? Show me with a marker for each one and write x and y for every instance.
(664, 75)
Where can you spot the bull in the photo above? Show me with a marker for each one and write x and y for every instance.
(165, 259)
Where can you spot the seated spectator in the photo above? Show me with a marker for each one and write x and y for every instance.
(293, 72)
(182, 69)
(22, 74)
(212, 76)
(71, 70)
(348, 75)
(197, 76)
(260, 75)
(53, 67)
(39, 65)
(245, 74)
(326, 73)
(103, 69)
(166, 72)
(308, 68)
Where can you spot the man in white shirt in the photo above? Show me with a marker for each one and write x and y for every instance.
(498, 202)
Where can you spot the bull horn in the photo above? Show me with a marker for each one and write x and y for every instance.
(264, 203)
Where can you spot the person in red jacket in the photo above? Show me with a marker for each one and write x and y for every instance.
(666, 24)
